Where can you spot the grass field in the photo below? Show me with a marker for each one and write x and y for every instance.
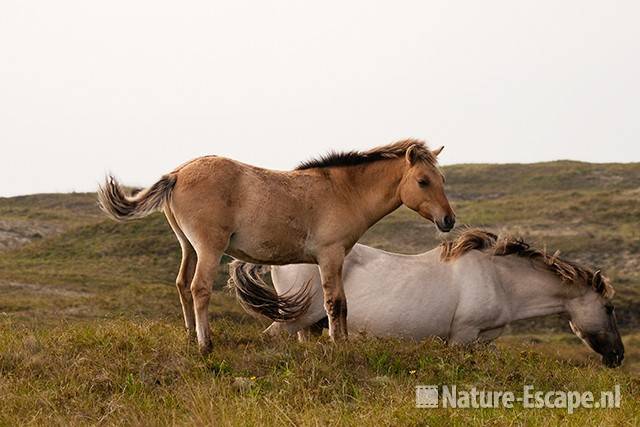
(91, 330)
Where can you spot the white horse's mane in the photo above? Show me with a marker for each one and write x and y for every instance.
(570, 272)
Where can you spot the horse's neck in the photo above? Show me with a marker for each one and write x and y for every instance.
(533, 292)
(373, 188)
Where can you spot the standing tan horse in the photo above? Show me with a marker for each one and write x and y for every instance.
(313, 214)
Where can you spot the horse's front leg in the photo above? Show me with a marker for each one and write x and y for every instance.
(335, 302)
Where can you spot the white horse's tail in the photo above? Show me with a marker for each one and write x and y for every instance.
(256, 297)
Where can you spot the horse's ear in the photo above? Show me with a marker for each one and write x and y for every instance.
(597, 282)
(438, 151)
(411, 155)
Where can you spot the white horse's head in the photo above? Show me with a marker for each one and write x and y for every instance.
(584, 294)
(593, 320)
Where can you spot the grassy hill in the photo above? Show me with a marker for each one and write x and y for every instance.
(90, 323)
(27, 218)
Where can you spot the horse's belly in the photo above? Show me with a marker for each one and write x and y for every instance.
(409, 324)
(398, 309)
(268, 250)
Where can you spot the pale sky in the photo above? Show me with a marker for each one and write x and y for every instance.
(137, 87)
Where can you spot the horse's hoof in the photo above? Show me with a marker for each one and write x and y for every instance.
(206, 348)
(339, 337)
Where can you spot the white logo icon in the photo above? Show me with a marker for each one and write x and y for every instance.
(426, 396)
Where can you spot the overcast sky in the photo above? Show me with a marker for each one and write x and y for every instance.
(137, 87)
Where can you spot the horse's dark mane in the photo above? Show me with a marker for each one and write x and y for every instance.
(354, 158)
(568, 271)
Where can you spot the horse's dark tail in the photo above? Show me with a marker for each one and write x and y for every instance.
(121, 205)
(256, 297)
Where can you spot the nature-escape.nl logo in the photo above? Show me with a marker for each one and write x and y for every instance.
(449, 396)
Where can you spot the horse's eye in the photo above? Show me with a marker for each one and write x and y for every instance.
(609, 309)
(423, 182)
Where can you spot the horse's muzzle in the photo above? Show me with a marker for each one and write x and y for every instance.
(613, 359)
(447, 223)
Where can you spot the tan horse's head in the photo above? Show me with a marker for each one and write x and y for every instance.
(422, 187)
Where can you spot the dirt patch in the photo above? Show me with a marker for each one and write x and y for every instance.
(42, 289)
(17, 233)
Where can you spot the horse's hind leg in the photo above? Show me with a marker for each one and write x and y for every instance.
(313, 331)
(209, 255)
(185, 275)
(183, 283)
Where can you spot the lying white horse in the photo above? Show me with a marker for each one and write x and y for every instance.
(463, 291)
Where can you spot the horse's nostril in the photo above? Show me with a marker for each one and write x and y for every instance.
(449, 221)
